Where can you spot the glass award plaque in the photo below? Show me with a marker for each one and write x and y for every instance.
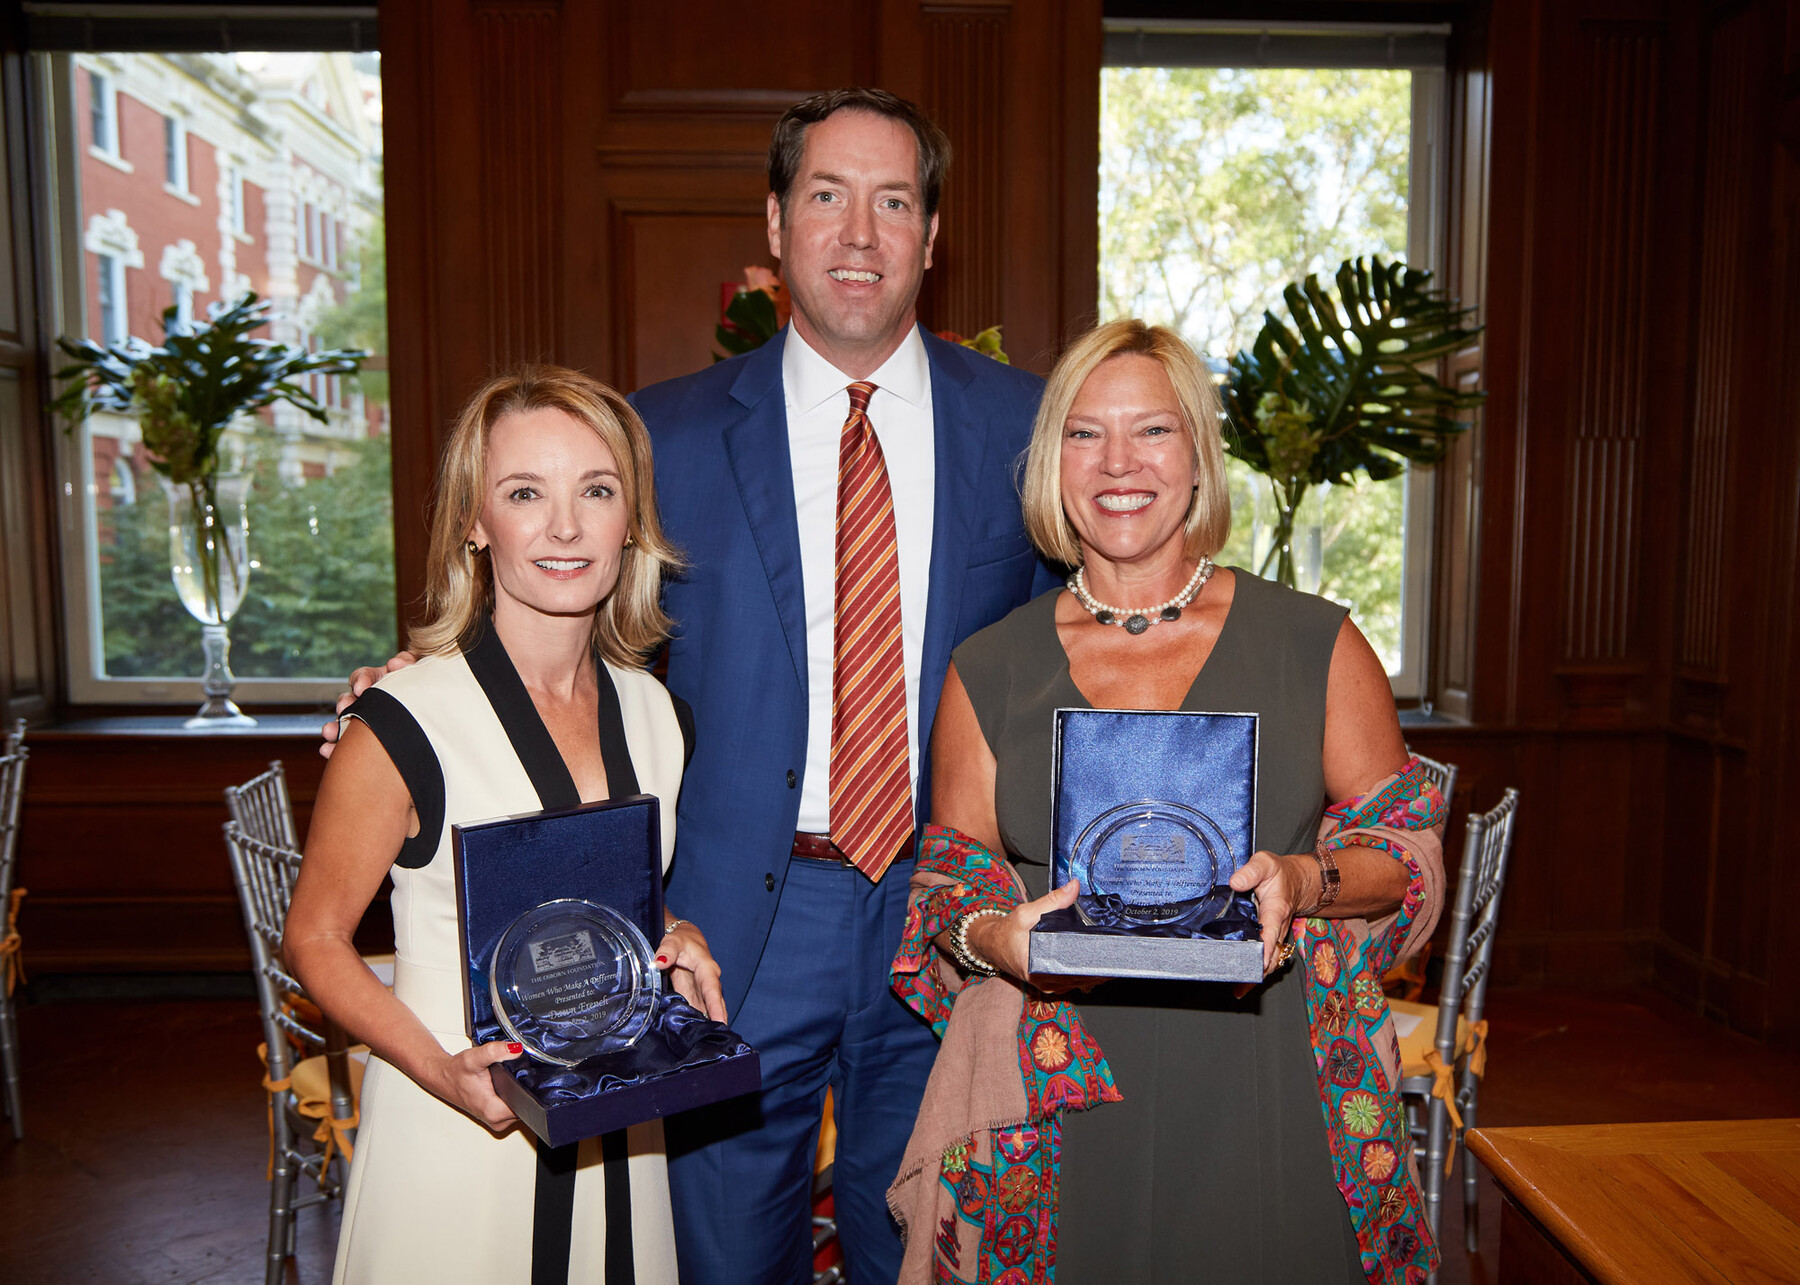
(573, 979)
(1151, 862)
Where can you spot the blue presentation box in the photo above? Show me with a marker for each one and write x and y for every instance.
(610, 853)
(1154, 811)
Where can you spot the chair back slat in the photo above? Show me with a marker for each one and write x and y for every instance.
(265, 874)
(262, 808)
(1473, 920)
(12, 794)
(1442, 775)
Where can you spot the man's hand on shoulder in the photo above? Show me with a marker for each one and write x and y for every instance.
(360, 682)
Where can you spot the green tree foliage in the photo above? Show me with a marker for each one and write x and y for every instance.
(321, 595)
(360, 321)
(1218, 187)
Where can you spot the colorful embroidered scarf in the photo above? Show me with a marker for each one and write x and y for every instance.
(990, 1214)
(1357, 1055)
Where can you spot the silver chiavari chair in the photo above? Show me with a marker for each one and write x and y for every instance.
(1448, 1093)
(313, 1081)
(12, 793)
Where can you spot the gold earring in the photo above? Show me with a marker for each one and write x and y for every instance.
(629, 542)
(473, 548)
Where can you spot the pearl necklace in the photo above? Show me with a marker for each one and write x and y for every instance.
(1136, 621)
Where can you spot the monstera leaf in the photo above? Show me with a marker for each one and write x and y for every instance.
(186, 392)
(1347, 383)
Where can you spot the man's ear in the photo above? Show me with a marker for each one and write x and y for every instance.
(930, 238)
(774, 225)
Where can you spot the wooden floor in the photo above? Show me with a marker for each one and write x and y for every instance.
(145, 1146)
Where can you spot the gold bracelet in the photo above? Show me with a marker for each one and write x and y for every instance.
(959, 941)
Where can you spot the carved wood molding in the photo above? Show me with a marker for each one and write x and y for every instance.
(1726, 198)
(1623, 83)
(520, 83)
(965, 93)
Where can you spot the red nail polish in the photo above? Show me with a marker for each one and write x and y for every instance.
(515, 1049)
(661, 960)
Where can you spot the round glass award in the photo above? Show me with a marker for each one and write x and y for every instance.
(572, 979)
(1152, 861)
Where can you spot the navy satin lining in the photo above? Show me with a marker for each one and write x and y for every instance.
(1221, 915)
(680, 1036)
(553, 1208)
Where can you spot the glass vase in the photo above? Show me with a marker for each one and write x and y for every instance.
(1288, 534)
(209, 561)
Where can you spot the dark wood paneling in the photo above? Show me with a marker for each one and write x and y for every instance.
(669, 256)
(753, 60)
(134, 876)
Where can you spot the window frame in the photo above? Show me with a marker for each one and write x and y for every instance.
(58, 206)
(1420, 49)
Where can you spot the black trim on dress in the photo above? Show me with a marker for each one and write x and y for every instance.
(410, 750)
(553, 1208)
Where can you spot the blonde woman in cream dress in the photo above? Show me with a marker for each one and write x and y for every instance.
(546, 560)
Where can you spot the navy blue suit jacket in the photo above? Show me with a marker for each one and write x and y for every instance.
(738, 657)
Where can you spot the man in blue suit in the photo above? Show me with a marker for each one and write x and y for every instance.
(747, 462)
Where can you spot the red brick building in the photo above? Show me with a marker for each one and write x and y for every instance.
(206, 175)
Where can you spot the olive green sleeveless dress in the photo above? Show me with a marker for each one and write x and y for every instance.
(1215, 1167)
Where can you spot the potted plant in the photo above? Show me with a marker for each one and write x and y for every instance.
(184, 395)
(1348, 385)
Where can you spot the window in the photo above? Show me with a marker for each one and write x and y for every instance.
(321, 593)
(110, 279)
(103, 117)
(234, 188)
(1235, 160)
(175, 154)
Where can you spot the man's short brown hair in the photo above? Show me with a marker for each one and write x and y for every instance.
(788, 145)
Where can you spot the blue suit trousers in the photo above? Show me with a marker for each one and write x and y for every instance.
(820, 1013)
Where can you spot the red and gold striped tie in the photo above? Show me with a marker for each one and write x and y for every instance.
(871, 787)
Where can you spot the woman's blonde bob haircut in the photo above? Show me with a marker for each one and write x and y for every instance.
(459, 585)
(1209, 512)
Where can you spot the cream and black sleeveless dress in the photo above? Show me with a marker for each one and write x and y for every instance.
(1215, 1167)
(433, 1195)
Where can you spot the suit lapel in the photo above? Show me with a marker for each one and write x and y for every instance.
(756, 444)
(961, 445)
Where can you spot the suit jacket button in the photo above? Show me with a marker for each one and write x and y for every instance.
(792, 779)
(769, 882)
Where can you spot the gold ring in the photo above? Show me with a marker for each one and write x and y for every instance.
(1284, 954)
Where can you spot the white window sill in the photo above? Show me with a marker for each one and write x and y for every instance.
(180, 194)
(111, 158)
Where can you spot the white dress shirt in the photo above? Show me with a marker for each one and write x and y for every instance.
(818, 403)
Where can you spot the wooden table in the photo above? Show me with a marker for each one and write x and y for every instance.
(1712, 1201)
